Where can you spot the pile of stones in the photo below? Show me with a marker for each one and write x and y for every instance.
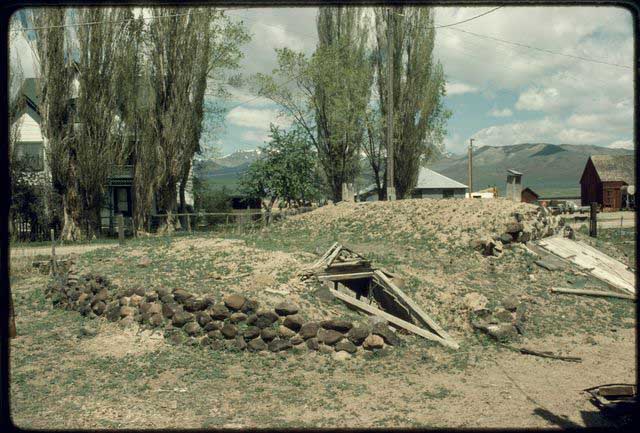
(524, 228)
(504, 322)
(232, 323)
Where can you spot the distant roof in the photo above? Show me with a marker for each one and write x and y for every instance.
(430, 179)
(615, 168)
(531, 191)
(427, 179)
(512, 171)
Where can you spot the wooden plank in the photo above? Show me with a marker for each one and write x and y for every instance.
(351, 263)
(592, 293)
(339, 277)
(325, 255)
(412, 305)
(333, 255)
(392, 319)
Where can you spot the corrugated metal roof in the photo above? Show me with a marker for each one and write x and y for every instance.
(430, 179)
(612, 168)
(512, 171)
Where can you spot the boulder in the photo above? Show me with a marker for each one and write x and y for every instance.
(329, 336)
(239, 343)
(506, 238)
(215, 335)
(181, 318)
(140, 291)
(250, 306)
(312, 343)
(337, 325)
(181, 295)
(234, 302)
(112, 311)
(510, 303)
(323, 348)
(202, 317)
(387, 334)
(257, 345)
(154, 308)
(474, 301)
(309, 330)
(194, 304)
(102, 295)
(268, 334)
(279, 344)
(156, 320)
(237, 317)
(514, 227)
(99, 308)
(346, 346)
(229, 331)
(293, 322)
(358, 334)
(265, 318)
(286, 308)
(503, 315)
(162, 291)
(168, 310)
(192, 329)
(373, 342)
(213, 325)
(502, 331)
(152, 296)
(297, 340)
(284, 332)
(251, 332)
(127, 311)
(341, 356)
(219, 312)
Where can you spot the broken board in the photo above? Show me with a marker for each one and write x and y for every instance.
(597, 263)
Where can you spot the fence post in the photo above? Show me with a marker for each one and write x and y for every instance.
(120, 229)
(593, 221)
(53, 253)
(189, 223)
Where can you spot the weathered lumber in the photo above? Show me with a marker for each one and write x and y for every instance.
(592, 293)
(325, 255)
(392, 319)
(413, 306)
(526, 351)
(349, 276)
(333, 255)
(350, 263)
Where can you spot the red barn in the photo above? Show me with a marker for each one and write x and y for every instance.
(603, 180)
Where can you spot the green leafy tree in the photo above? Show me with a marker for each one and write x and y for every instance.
(286, 170)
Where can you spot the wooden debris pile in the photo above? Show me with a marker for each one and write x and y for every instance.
(372, 290)
(616, 397)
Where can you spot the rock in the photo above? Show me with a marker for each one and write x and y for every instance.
(135, 300)
(213, 325)
(144, 261)
(156, 320)
(297, 340)
(167, 299)
(239, 343)
(251, 319)
(502, 331)
(202, 317)
(126, 322)
(373, 342)
(168, 310)
(372, 320)
(521, 317)
(162, 291)
(286, 308)
(124, 301)
(518, 217)
(209, 300)
(279, 344)
(194, 304)
(510, 303)
(215, 335)
(505, 238)
(87, 332)
(237, 317)
(181, 295)
(181, 318)
(192, 328)
(154, 308)
(337, 325)
(83, 298)
(219, 312)
(312, 343)
(229, 331)
(475, 301)
(358, 334)
(341, 356)
(257, 345)
(268, 334)
(503, 315)
(497, 249)
(127, 311)
(176, 338)
(113, 311)
(251, 332)
(309, 330)
(329, 336)
(293, 322)
(234, 302)
(250, 306)
(99, 308)
(152, 296)
(387, 334)
(323, 348)
(514, 227)
(265, 318)
(346, 346)
(284, 332)
(144, 307)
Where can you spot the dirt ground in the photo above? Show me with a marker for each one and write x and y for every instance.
(112, 377)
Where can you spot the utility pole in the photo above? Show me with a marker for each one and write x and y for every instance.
(391, 191)
(470, 171)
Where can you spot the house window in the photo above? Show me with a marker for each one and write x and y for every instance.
(447, 193)
(122, 201)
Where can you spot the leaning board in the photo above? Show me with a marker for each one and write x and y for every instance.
(596, 262)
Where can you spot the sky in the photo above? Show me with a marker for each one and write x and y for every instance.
(499, 93)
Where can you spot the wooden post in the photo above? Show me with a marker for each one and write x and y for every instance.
(189, 223)
(12, 321)
(593, 221)
(120, 229)
(53, 253)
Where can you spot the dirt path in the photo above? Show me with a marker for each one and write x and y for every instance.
(20, 252)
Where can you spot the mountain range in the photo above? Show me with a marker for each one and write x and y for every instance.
(548, 169)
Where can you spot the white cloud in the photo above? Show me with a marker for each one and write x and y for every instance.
(255, 136)
(460, 89)
(621, 144)
(505, 112)
(255, 118)
(539, 99)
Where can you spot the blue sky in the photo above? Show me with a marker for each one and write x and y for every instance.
(499, 94)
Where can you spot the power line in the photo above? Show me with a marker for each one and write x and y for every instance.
(544, 50)
(468, 19)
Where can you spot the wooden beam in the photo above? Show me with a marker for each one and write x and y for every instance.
(392, 319)
(340, 277)
(413, 306)
(592, 293)
(325, 255)
(333, 255)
